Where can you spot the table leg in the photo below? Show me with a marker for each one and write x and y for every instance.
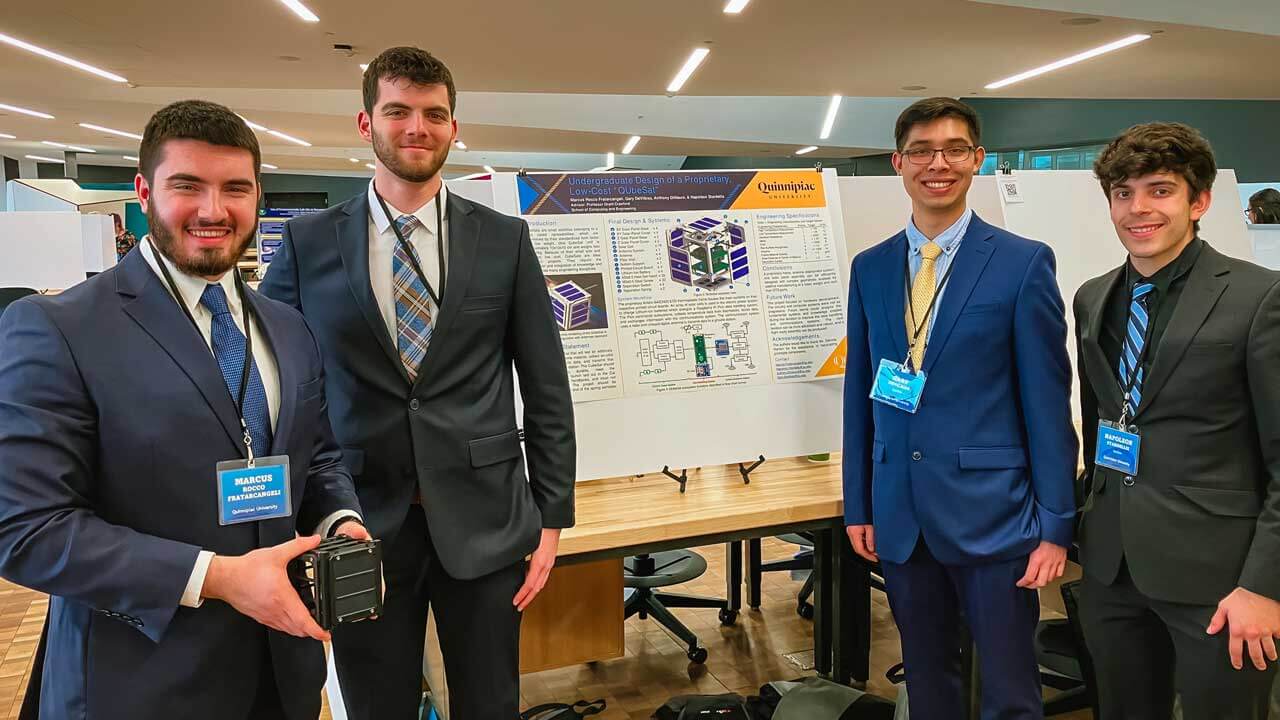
(733, 578)
(851, 628)
(753, 573)
(822, 601)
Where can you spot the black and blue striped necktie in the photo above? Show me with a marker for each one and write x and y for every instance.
(1134, 340)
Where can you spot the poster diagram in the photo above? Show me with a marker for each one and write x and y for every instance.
(694, 351)
(707, 253)
(578, 301)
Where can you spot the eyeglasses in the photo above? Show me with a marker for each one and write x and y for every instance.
(954, 154)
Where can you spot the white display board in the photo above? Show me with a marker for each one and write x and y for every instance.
(98, 235)
(43, 250)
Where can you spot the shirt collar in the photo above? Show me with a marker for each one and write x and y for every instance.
(426, 214)
(1169, 274)
(191, 286)
(948, 240)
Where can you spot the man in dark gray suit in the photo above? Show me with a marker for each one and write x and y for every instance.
(1179, 353)
(422, 302)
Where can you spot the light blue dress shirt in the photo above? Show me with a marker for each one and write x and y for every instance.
(949, 241)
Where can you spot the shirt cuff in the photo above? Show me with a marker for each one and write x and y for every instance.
(329, 523)
(195, 584)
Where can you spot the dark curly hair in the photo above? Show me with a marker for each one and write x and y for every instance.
(413, 64)
(1158, 147)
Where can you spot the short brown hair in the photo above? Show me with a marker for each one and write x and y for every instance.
(413, 64)
(930, 109)
(195, 120)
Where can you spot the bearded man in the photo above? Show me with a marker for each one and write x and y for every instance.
(129, 406)
(422, 303)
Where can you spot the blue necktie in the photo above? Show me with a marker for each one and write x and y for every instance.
(229, 350)
(1134, 340)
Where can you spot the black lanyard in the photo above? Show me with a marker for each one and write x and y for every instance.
(1126, 386)
(924, 322)
(248, 336)
(413, 255)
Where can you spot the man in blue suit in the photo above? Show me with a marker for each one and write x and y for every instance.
(958, 446)
(121, 402)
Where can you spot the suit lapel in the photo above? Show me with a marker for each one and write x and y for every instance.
(893, 293)
(149, 303)
(1106, 376)
(971, 259)
(353, 245)
(1205, 284)
(287, 365)
(464, 238)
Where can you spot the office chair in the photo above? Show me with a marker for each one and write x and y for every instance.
(10, 294)
(1065, 663)
(803, 560)
(643, 574)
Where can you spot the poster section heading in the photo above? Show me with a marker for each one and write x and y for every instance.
(573, 193)
(669, 299)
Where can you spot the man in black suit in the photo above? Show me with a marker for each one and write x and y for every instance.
(1178, 353)
(422, 302)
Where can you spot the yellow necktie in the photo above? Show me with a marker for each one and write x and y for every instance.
(922, 291)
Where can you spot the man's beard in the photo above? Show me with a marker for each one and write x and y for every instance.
(414, 173)
(205, 262)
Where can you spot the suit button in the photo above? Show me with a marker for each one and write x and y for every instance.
(414, 405)
(917, 455)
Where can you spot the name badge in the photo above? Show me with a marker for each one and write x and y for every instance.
(898, 387)
(1117, 448)
(261, 492)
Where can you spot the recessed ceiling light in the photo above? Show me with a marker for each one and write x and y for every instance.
(735, 6)
(300, 10)
(130, 157)
(371, 166)
(806, 150)
(121, 133)
(61, 58)
(490, 169)
(459, 144)
(7, 136)
(695, 59)
(1081, 21)
(354, 160)
(269, 166)
(1086, 55)
(24, 111)
(45, 159)
(631, 145)
(830, 121)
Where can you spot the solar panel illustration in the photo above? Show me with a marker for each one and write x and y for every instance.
(707, 253)
(570, 304)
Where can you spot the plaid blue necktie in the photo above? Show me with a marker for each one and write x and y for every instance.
(229, 350)
(1134, 340)
(413, 303)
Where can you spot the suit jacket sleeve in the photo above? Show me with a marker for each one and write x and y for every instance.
(1044, 387)
(1088, 407)
(51, 539)
(859, 428)
(329, 485)
(1259, 574)
(281, 282)
(550, 448)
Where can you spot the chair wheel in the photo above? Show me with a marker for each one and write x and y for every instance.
(697, 655)
(728, 617)
(805, 610)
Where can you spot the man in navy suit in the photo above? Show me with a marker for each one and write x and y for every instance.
(959, 453)
(120, 401)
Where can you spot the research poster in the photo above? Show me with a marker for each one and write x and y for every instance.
(663, 282)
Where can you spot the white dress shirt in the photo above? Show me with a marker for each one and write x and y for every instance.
(192, 288)
(382, 245)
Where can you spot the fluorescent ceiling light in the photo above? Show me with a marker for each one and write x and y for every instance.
(54, 144)
(300, 10)
(77, 148)
(830, 121)
(608, 162)
(1087, 54)
(806, 150)
(269, 166)
(130, 157)
(7, 136)
(695, 59)
(735, 6)
(45, 159)
(631, 145)
(61, 58)
(290, 138)
(253, 124)
(459, 144)
(73, 148)
(24, 111)
(490, 169)
(371, 166)
(354, 160)
(108, 130)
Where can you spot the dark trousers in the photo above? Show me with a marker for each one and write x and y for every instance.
(379, 663)
(927, 599)
(1144, 650)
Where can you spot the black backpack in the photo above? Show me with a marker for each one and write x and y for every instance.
(562, 711)
(730, 706)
